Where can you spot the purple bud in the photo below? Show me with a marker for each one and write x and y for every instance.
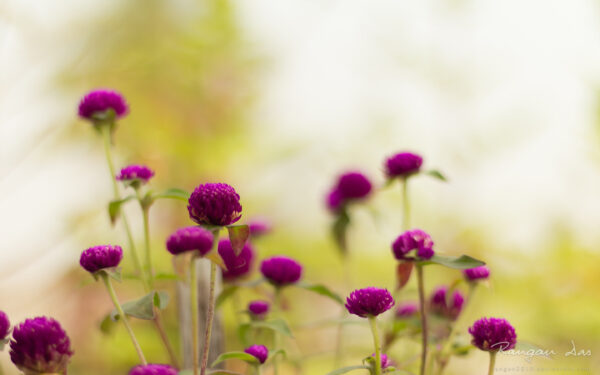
(281, 271)
(259, 227)
(439, 303)
(135, 173)
(493, 334)
(414, 239)
(190, 239)
(403, 164)
(477, 273)
(98, 101)
(237, 266)
(100, 257)
(350, 186)
(385, 361)
(369, 301)
(334, 200)
(260, 352)
(39, 346)
(4, 325)
(214, 204)
(153, 369)
(258, 309)
(407, 310)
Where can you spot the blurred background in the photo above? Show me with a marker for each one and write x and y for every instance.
(277, 98)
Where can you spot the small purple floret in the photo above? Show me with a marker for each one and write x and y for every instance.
(100, 257)
(350, 186)
(414, 239)
(281, 271)
(439, 303)
(135, 172)
(260, 352)
(238, 266)
(334, 200)
(369, 301)
(258, 309)
(214, 204)
(385, 361)
(407, 310)
(259, 227)
(493, 334)
(40, 345)
(153, 369)
(4, 325)
(403, 164)
(190, 239)
(477, 273)
(98, 101)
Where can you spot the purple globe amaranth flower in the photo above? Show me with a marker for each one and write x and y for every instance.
(214, 204)
(407, 310)
(260, 352)
(39, 346)
(238, 266)
(135, 174)
(385, 361)
(334, 201)
(493, 334)
(477, 273)
(403, 164)
(101, 257)
(153, 369)
(4, 325)
(369, 301)
(258, 309)
(281, 271)
(190, 239)
(414, 239)
(350, 186)
(259, 227)
(95, 104)
(442, 306)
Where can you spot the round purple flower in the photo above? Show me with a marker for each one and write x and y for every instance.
(258, 309)
(493, 334)
(260, 352)
(439, 303)
(259, 227)
(369, 301)
(350, 186)
(407, 310)
(237, 266)
(281, 271)
(477, 273)
(214, 204)
(385, 361)
(40, 345)
(414, 239)
(100, 257)
(94, 105)
(403, 164)
(153, 369)
(4, 325)
(135, 174)
(190, 239)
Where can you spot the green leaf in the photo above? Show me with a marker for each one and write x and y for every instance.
(238, 235)
(322, 290)
(344, 370)
(107, 325)
(167, 276)
(114, 273)
(339, 229)
(277, 352)
(227, 292)
(143, 308)
(459, 263)
(436, 174)
(173, 193)
(248, 358)
(114, 207)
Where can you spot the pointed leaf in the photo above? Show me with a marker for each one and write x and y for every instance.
(436, 174)
(107, 324)
(339, 229)
(214, 257)
(173, 193)
(344, 370)
(248, 358)
(114, 273)
(114, 207)
(227, 292)
(403, 272)
(238, 235)
(161, 299)
(459, 263)
(277, 352)
(143, 308)
(322, 290)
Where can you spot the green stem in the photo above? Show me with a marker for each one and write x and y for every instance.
(421, 287)
(405, 205)
(377, 344)
(278, 310)
(492, 363)
(211, 307)
(148, 254)
(194, 302)
(122, 316)
(256, 370)
(164, 338)
(340, 328)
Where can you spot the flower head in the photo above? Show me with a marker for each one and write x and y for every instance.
(444, 307)
(39, 346)
(100, 257)
(407, 310)
(135, 174)
(4, 325)
(259, 227)
(403, 164)
(385, 361)
(369, 301)
(281, 271)
(477, 273)
(258, 309)
(237, 265)
(493, 334)
(260, 352)
(214, 204)
(153, 369)
(350, 186)
(414, 239)
(334, 200)
(190, 239)
(95, 104)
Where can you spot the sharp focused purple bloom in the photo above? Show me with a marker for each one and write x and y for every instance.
(407, 310)
(260, 352)
(258, 309)
(259, 227)
(385, 361)
(477, 273)
(350, 186)
(281, 271)
(237, 266)
(439, 303)
(369, 301)
(135, 172)
(98, 101)
(214, 204)
(100, 257)
(4, 325)
(153, 369)
(190, 239)
(40, 345)
(403, 164)
(414, 239)
(493, 334)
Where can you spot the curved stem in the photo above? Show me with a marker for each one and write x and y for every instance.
(211, 306)
(123, 317)
(377, 344)
(405, 205)
(421, 287)
(492, 363)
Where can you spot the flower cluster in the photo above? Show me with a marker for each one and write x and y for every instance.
(4, 325)
(258, 309)
(97, 102)
(369, 301)
(214, 204)
(190, 239)
(407, 310)
(135, 174)
(443, 306)
(281, 271)
(403, 164)
(477, 273)
(260, 352)
(493, 334)
(101, 257)
(350, 187)
(414, 239)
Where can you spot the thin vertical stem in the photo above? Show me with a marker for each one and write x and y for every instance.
(194, 302)
(148, 253)
(257, 370)
(278, 309)
(122, 316)
(492, 363)
(405, 205)
(376, 343)
(421, 287)
(340, 329)
(211, 306)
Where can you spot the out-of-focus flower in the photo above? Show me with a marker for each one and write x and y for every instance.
(135, 174)
(97, 258)
(260, 352)
(493, 334)
(214, 204)
(259, 227)
(407, 310)
(369, 301)
(153, 369)
(414, 239)
(258, 309)
(4, 325)
(237, 266)
(190, 239)
(439, 303)
(281, 271)
(385, 361)
(477, 273)
(403, 164)
(350, 186)
(94, 105)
